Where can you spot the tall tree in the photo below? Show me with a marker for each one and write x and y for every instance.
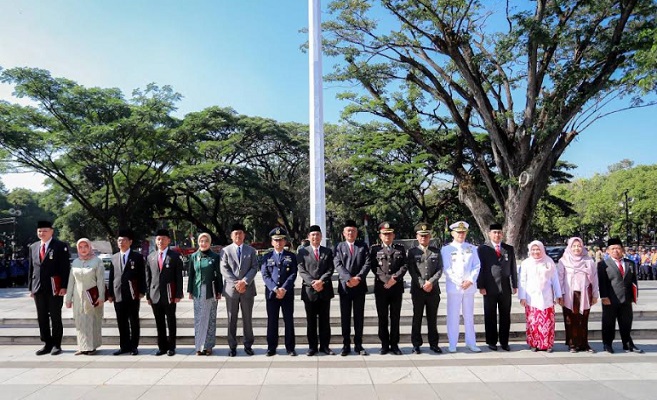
(504, 100)
(109, 154)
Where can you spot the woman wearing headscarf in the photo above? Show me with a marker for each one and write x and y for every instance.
(538, 290)
(86, 294)
(204, 286)
(578, 278)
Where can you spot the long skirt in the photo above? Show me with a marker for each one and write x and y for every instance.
(576, 325)
(540, 327)
(205, 321)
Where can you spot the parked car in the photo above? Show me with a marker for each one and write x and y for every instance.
(555, 252)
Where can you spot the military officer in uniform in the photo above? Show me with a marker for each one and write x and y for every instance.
(425, 265)
(49, 268)
(279, 271)
(388, 263)
(316, 270)
(461, 266)
(497, 282)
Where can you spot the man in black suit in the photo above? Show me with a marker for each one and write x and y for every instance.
(127, 285)
(315, 263)
(497, 282)
(164, 283)
(425, 264)
(352, 261)
(617, 277)
(388, 262)
(49, 268)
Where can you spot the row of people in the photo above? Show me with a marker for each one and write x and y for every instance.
(491, 268)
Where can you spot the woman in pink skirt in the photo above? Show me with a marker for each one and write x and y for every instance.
(538, 290)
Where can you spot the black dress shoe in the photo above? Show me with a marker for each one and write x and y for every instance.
(43, 350)
(436, 349)
(396, 351)
(328, 352)
(505, 347)
(384, 351)
(270, 353)
(248, 351)
(635, 349)
(492, 347)
(345, 351)
(119, 352)
(56, 351)
(232, 353)
(292, 353)
(160, 353)
(608, 349)
(134, 352)
(416, 350)
(311, 352)
(363, 352)
(171, 353)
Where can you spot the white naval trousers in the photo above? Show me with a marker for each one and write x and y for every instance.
(458, 303)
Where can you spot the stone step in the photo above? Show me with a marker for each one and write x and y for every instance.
(641, 330)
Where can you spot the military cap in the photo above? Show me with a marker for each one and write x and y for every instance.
(459, 226)
(278, 233)
(423, 228)
(386, 227)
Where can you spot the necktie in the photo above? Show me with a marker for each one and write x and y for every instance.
(42, 252)
(497, 251)
(317, 254)
(124, 261)
(160, 260)
(620, 267)
(351, 248)
(239, 254)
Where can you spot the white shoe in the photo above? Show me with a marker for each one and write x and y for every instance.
(474, 349)
(452, 349)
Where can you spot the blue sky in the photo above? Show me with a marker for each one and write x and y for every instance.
(239, 53)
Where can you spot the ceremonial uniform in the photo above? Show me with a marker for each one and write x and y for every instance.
(388, 263)
(425, 265)
(461, 265)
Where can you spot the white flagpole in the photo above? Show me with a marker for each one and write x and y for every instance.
(317, 192)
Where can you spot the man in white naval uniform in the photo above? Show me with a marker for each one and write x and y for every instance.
(461, 269)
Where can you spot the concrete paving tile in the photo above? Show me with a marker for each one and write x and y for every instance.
(524, 390)
(346, 392)
(113, 392)
(55, 392)
(188, 376)
(237, 391)
(288, 392)
(500, 373)
(403, 375)
(642, 370)
(448, 374)
(8, 373)
(461, 391)
(15, 392)
(552, 373)
(399, 392)
(159, 392)
(343, 376)
(586, 390)
(88, 376)
(635, 390)
(141, 376)
(602, 372)
(291, 376)
(242, 376)
(39, 376)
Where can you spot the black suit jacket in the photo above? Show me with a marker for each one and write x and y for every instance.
(134, 270)
(424, 268)
(619, 289)
(349, 266)
(157, 280)
(311, 269)
(497, 274)
(56, 263)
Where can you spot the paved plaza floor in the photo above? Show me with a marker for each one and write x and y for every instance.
(488, 375)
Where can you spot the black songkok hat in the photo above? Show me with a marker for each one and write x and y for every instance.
(613, 241)
(314, 228)
(163, 232)
(495, 227)
(238, 227)
(126, 233)
(44, 224)
(350, 223)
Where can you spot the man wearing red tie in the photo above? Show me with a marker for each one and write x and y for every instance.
(164, 283)
(497, 282)
(618, 289)
(48, 279)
